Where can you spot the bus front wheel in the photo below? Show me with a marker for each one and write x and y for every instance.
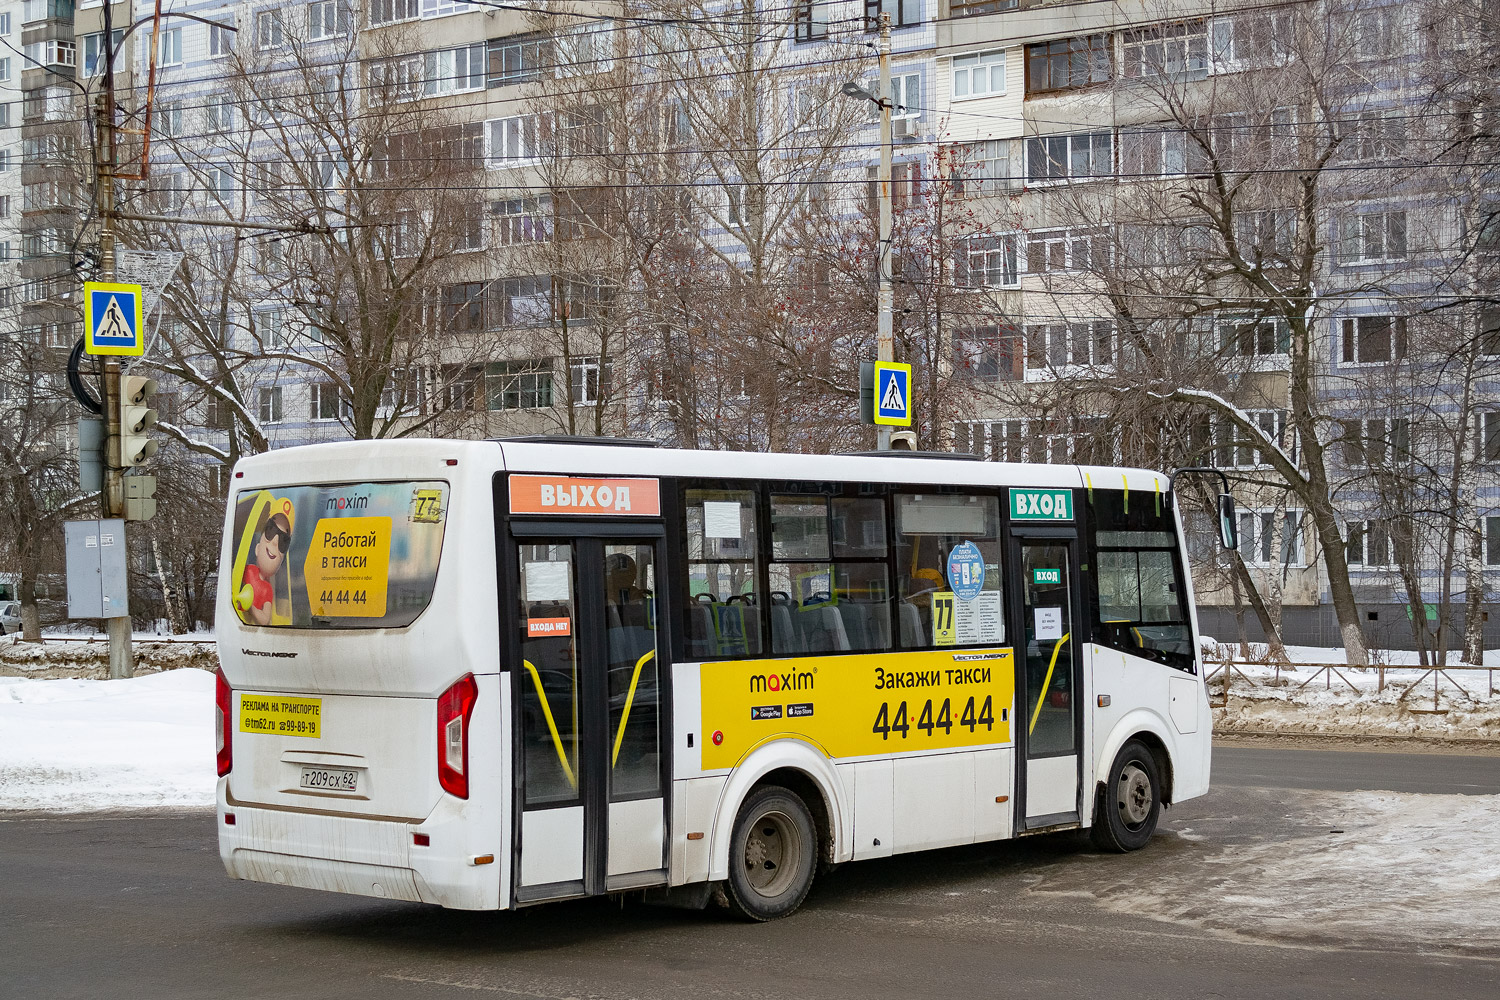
(772, 855)
(1130, 801)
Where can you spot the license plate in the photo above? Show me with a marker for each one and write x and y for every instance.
(333, 779)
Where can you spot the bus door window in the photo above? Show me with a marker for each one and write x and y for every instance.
(1138, 589)
(549, 707)
(1048, 621)
(633, 685)
(932, 610)
(722, 614)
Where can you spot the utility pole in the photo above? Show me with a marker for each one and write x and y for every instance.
(121, 655)
(885, 340)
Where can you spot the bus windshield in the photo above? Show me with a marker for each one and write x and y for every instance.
(339, 555)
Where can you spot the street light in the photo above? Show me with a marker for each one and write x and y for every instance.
(885, 341)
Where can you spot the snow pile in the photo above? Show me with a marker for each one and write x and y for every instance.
(89, 657)
(1391, 702)
(1351, 867)
(76, 745)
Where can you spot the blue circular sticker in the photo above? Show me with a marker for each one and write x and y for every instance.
(966, 571)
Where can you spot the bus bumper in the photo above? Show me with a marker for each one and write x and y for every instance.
(365, 857)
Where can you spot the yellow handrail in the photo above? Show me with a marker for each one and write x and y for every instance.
(562, 757)
(629, 699)
(1036, 713)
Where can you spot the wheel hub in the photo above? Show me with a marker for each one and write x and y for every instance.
(1134, 795)
(771, 847)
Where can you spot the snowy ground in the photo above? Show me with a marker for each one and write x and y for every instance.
(1347, 701)
(79, 745)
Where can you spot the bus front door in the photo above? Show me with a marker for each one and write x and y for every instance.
(589, 754)
(1050, 679)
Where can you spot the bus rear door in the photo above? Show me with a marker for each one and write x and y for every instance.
(587, 649)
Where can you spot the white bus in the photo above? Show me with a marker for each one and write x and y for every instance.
(489, 674)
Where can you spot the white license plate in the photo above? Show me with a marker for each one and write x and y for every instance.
(333, 779)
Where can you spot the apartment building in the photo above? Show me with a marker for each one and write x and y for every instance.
(11, 12)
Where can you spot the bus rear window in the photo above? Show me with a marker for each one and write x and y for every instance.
(343, 555)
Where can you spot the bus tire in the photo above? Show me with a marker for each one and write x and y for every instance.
(773, 855)
(1129, 802)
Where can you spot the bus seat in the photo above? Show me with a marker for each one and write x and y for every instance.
(784, 636)
(878, 618)
(856, 624)
(911, 625)
(700, 630)
(823, 629)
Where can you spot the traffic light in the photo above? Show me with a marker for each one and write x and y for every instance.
(136, 419)
(140, 492)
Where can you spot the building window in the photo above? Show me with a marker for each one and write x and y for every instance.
(5, 23)
(1227, 446)
(439, 8)
(389, 11)
(221, 38)
(1244, 140)
(1069, 157)
(1368, 544)
(1255, 338)
(1372, 237)
(1066, 250)
(1177, 51)
(463, 307)
(519, 60)
(980, 168)
(513, 140)
(902, 12)
(221, 183)
(4, 70)
(1373, 339)
(1489, 331)
(269, 30)
(520, 220)
(1487, 438)
(1370, 442)
(974, 8)
(1267, 232)
(1245, 41)
(1492, 541)
(1160, 150)
(518, 385)
(469, 226)
(991, 353)
(325, 402)
(166, 119)
(169, 48)
(590, 379)
(1372, 33)
(981, 74)
(993, 261)
(1258, 529)
(452, 71)
(220, 113)
(811, 20)
(326, 19)
(4, 206)
(270, 328)
(270, 405)
(1374, 136)
(1067, 63)
(1083, 343)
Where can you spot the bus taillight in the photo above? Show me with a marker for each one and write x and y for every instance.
(223, 744)
(455, 705)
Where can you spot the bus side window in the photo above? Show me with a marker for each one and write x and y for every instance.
(722, 615)
(928, 528)
(829, 579)
(1136, 591)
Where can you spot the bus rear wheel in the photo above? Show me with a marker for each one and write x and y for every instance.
(1130, 801)
(772, 855)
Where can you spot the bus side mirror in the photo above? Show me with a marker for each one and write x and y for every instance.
(1228, 522)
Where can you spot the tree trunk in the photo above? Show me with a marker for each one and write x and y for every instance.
(31, 618)
(1474, 608)
(1275, 651)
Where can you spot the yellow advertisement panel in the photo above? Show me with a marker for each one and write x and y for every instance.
(858, 705)
(280, 714)
(347, 566)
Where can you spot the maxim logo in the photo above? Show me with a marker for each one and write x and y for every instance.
(348, 503)
(796, 681)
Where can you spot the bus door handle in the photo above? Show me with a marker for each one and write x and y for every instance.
(562, 756)
(1036, 712)
(629, 700)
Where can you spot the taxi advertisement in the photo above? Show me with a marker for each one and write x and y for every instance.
(346, 555)
(858, 705)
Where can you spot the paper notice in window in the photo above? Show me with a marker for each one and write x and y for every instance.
(1049, 623)
(721, 519)
(979, 621)
(547, 581)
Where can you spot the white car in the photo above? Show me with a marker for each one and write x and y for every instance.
(10, 617)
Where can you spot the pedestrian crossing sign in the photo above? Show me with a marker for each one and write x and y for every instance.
(892, 394)
(112, 317)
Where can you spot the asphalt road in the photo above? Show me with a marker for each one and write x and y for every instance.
(131, 906)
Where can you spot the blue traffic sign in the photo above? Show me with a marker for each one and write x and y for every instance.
(112, 320)
(892, 394)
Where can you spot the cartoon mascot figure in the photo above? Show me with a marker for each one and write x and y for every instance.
(262, 578)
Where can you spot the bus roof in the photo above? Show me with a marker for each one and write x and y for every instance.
(336, 461)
